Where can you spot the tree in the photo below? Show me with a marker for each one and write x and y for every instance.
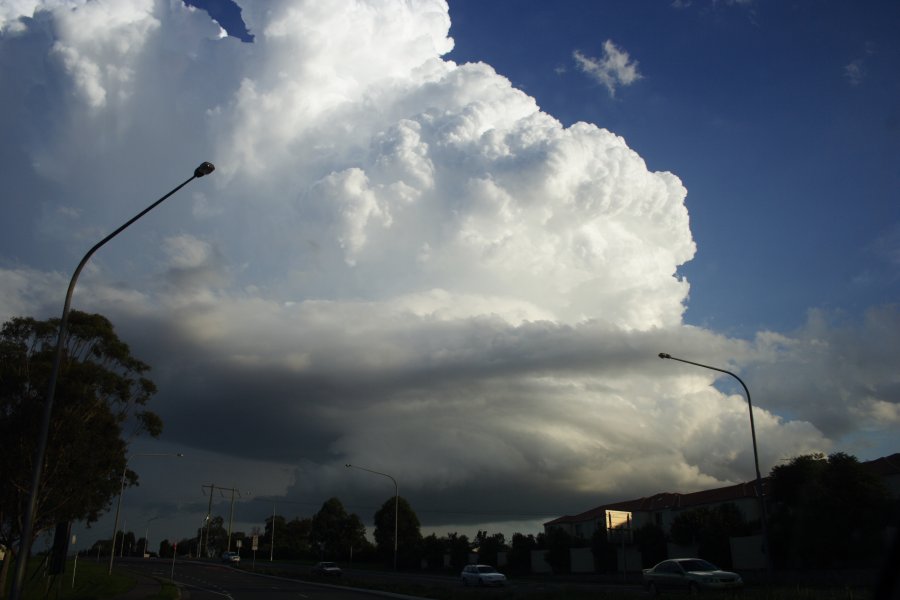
(651, 539)
(334, 533)
(409, 536)
(215, 537)
(459, 549)
(489, 546)
(519, 557)
(828, 512)
(604, 551)
(710, 529)
(557, 543)
(101, 389)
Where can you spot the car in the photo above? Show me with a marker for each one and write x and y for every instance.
(231, 558)
(689, 574)
(327, 569)
(482, 575)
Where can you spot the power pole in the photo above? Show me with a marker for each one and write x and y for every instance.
(212, 488)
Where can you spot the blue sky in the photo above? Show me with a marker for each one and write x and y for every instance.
(781, 118)
(447, 242)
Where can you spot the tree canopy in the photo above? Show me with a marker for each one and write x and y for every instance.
(830, 511)
(409, 535)
(334, 532)
(102, 390)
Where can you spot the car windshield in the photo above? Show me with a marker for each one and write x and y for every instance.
(486, 570)
(697, 565)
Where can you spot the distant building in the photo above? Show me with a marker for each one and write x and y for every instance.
(661, 509)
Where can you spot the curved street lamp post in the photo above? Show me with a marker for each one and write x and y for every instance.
(396, 502)
(759, 489)
(28, 524)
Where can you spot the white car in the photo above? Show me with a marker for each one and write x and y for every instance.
(689, 574)
(327, 569)
(482, 575)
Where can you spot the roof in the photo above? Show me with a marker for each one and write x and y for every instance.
(668, 501)
(885, 466)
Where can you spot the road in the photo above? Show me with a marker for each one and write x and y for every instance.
(202, 580)
(212, 581)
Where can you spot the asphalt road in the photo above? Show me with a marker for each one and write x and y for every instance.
(212, 581)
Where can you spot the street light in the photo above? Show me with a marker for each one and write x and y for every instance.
(28, 525)
(396, 502)
(759, 490)
(112, 555)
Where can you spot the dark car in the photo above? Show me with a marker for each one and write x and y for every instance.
(689, 574)
(327, 569)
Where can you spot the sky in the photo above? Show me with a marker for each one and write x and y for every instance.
(447, 242)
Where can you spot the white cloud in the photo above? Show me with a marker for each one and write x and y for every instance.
(615, 68)
(855, 72)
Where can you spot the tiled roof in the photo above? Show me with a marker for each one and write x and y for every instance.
(888, 465)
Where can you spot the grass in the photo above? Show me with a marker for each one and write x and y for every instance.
(91, 582)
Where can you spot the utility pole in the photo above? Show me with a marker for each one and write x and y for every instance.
(212, 488)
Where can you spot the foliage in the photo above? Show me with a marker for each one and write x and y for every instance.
(519, 557)
(214, 537)
(604, 551)
(651, 539)
(828, 512)
(295, 535)
(557, 543)
(710, 529)
(334, 532)
(409, 537)
(101, 389)
(459, 548)
(489, 546)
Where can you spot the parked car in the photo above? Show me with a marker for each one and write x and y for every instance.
(327, 569)
(231, 558)
(482, 575)
(690, 574)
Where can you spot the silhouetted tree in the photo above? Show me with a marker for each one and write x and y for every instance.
(409, 535)
(101, 388)
(828, 512)
(710, 529)
(334, 532)
(519, 557)
(489, 546)
(604, 551)
(651, 539)
(459, 548)
(557, 545)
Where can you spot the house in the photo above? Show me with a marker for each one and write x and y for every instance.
(662, 508)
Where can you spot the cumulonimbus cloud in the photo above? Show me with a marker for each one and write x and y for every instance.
(401, 258)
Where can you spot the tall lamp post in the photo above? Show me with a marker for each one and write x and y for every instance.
(28, 525)
(759, 490)
(112, 554)
(396, 502)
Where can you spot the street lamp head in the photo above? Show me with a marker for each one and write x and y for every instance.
(664, 355)
(204, 169)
